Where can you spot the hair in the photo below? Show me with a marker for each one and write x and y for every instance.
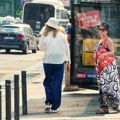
(50, 29)
(62, 30)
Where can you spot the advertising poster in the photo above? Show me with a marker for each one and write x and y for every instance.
(89, 19)
(88, 59)
(88, 44)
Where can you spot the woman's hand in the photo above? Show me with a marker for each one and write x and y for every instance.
(68, 67)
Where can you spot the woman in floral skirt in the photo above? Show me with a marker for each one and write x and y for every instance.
(107, 77)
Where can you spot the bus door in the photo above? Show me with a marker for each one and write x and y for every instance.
(86, 18)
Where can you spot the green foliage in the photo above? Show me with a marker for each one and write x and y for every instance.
(18, 13)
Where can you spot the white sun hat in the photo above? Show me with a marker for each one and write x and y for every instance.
(53, 22)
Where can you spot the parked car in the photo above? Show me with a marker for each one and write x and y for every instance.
(8, 20)
(18, 37)
(1, 20)
(18, 20)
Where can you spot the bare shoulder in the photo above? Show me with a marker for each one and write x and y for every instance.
(109, 41)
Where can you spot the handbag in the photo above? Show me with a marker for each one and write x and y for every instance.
(107, 60)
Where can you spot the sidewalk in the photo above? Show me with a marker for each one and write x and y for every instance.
(78, 105)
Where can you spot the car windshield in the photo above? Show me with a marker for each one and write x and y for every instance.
(7, 22)
(6, 29)
(63, 23)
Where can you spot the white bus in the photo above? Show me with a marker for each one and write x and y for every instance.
(37, 12)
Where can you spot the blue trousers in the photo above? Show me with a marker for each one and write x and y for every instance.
(53, 83)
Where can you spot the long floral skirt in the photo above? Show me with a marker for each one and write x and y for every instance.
(108, 84)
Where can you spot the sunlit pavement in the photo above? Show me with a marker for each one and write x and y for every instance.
(80, 105)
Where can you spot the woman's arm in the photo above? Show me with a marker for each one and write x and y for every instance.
(67, 50)
(110, 45)
(41, 43)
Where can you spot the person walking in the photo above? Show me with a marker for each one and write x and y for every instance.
(107, 74)
(69, 30)
(56, 51)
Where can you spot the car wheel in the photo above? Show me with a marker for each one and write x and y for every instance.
(25, 51)
(34, 51)
(7, 50)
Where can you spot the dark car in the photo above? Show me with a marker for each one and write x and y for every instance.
(18, 37)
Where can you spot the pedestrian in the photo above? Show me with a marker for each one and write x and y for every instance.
(56, 51)
(107, 74)
(69, 30)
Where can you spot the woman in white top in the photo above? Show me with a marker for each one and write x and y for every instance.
(56, 52)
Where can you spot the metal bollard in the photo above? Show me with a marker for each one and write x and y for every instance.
(0, 102)
(16, 97)
(8, 99)
(24, 93)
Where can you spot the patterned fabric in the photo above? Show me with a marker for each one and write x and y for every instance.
(108, 83)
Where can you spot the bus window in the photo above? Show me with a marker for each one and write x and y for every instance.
(37, 15)
(64, 14)
(30, 9)
(58, 14)
(37, 12)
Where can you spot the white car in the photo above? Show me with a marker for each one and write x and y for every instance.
(8, 20)
(1, 20)
(63, 22)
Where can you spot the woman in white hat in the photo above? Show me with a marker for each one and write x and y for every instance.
(56, 52)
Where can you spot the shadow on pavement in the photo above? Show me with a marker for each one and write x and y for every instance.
(73, 105)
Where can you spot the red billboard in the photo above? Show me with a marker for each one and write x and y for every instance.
(89, 19)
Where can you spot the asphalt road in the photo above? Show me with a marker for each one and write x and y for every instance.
(15, 62)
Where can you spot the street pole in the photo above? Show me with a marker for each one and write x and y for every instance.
(24, 92)
(69, 87)
(8, 99)
(16, 97)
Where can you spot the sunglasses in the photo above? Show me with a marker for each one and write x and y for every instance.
(100, 29)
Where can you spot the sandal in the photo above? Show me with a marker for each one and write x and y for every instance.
(102, 111)
(117, 109)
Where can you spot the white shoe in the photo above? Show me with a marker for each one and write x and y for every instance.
(48, 108)
(54, 111)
